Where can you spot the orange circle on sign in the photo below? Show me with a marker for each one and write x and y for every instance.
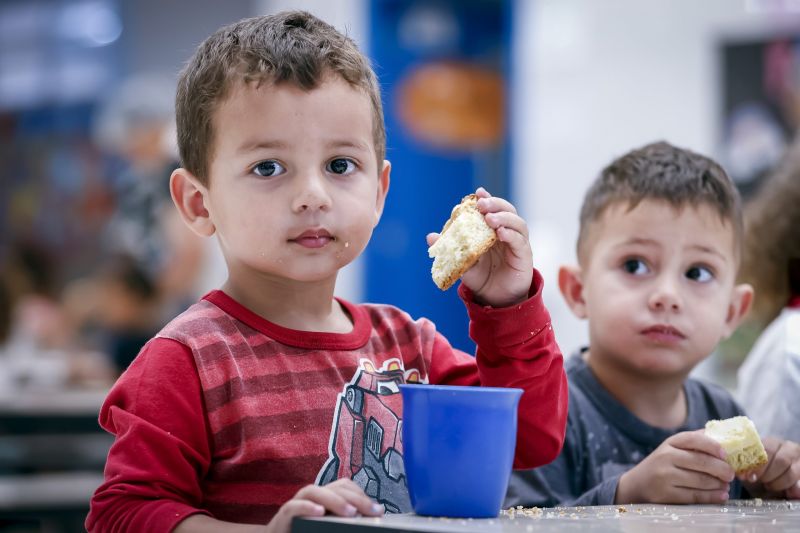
(453, 105)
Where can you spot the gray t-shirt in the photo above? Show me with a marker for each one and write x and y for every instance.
(604, 440)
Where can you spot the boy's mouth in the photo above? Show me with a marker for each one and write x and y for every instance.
(314, 238)
(663, 334)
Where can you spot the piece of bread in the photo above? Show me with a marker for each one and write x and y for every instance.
(739, 438)
(464, 238)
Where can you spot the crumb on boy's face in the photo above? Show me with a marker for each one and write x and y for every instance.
(658, 286)
(294, 189)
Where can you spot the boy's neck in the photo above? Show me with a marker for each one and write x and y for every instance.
(657, 401)
(300, 307)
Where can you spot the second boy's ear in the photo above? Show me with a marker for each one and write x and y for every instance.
(741, 301)
(189, 196)
(570, 282)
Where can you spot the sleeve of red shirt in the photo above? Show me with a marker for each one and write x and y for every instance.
(516, 348)
(161, 450)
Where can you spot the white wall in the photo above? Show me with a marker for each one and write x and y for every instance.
(597, 78)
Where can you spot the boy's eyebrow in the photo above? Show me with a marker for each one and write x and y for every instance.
(347, 143)
(651, 242)
(278, 145)
(709, 250)
(261, 145)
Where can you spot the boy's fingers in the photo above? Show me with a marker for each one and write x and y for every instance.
(504, 219)
(494, 204)
(692, 479)
(783, 462)
(698, 441)
(331, 500)
(705, 464)
(751, 476)
(432, 238)
(779, 461)
(793, 493)
(784, 480)
(296, 507)
(357, 498)
(702, 496)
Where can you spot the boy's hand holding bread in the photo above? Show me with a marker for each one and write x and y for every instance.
(688, 467)
(698, 466)
(485, 243)
(770, 468)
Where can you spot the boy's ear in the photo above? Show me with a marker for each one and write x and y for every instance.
(740, 305)
(383, 189)
(570, 282)
(190, 197)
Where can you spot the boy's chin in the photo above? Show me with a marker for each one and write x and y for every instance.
(313, 275)
(655, 365)
(664, 369)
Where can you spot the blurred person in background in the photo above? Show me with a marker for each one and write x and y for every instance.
(38, 346)
(153, 261)
(769, 378)
(37, 320)
(5, 310)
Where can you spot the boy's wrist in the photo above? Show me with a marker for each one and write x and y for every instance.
(505, 301)
(623, 494)
(510, 301)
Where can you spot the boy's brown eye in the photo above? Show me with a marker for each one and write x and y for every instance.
(341, 166)
(268, 168)
(634, 266)
(698, 273)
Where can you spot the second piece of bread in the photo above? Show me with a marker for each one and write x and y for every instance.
(740, 440)
(464, 238)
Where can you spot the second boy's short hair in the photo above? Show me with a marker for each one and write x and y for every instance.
(290, 47)
(660, 171)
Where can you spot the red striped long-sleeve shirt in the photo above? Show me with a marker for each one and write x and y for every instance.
(227, 414)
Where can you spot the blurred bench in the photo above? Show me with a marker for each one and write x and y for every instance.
(52, 453)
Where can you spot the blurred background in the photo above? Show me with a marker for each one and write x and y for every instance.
(528, 98)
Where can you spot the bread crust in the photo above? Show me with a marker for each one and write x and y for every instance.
(469, 202)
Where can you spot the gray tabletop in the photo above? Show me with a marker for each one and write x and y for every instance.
(737, 516)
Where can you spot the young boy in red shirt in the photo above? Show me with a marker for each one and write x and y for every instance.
(249, 408)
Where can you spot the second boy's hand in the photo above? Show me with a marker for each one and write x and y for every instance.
(778, 478)
(502, 277)
(688, 467)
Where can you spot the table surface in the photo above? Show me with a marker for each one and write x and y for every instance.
(736, 516)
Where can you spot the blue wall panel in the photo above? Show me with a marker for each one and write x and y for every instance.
(428, 180)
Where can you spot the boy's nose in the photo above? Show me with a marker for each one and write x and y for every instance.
(311, 195)
(665, 297)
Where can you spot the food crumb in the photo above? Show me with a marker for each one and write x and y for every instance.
(621, 509)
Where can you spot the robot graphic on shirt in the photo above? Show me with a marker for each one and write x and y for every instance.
(365, 443)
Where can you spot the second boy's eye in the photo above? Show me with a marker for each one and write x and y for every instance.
(701, 274)
(635, 266)
(268, 168)
(341, 166)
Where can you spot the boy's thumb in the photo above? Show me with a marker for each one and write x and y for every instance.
(793, 492)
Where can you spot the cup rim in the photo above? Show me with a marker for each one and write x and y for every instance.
(460, 388)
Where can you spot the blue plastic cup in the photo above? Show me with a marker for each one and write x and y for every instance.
(458, 448)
